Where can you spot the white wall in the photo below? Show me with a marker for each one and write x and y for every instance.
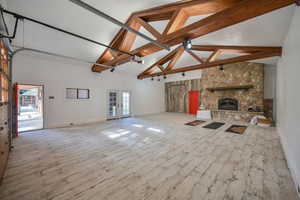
(3, 3)
(188, 76)
(288, 96)
(58, 74)
(269, 81)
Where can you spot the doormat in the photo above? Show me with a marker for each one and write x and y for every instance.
(195, 123)
(214, 125)
(237, 129)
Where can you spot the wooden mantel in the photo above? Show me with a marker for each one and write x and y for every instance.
(236, 87)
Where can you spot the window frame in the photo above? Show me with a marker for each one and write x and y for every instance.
(88, 93)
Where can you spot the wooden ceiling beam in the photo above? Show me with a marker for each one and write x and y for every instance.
(149, 70)
(195, 56)
(196, 7)
(114, 54)
(129, 37)
(165, 13)
(107, 55)
(180, 51)
(243, 58)
(239, 12)
(234, 49)
(149, 28)
(115, 43)
(161, 68)
(213, 56)
(209, 8)
(160, 62)
(157, 17)
(177, 21)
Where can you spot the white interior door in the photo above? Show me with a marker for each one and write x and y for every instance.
(113, 104)
(125, 104)
(118, 104)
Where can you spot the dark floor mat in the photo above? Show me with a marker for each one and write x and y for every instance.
(195, 123)
(237, 129)
(214, 125)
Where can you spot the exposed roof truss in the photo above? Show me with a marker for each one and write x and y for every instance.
(224, 13)
(248, 53)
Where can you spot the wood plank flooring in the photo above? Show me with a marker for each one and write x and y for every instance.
(155, 157)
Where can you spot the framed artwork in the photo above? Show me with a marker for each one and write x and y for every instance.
(71, 93)
(83, 93)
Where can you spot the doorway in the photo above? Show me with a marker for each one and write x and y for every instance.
(193, 102)
(119, 104)
(30, 107)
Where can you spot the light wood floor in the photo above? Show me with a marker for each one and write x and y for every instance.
(152, 158)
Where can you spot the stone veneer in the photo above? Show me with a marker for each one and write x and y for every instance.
(231, 115)
(234, 75)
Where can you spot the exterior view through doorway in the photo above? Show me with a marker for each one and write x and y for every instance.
(30, 106)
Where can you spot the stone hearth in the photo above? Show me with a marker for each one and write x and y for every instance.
(233, 115)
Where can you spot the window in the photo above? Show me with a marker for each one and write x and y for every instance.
(75, 93)
(83, 93)
(71, 93)
(126, 103)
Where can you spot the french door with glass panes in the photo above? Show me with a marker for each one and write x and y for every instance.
(118, 104)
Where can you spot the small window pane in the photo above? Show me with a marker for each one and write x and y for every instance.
(83, 93)
(71, 93)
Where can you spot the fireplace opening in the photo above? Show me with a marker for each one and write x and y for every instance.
(228, 104)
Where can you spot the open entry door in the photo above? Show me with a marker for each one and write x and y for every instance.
(28, 109)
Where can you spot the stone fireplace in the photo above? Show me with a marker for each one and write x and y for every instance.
(229, 94)
(232, 92)
(228, 104)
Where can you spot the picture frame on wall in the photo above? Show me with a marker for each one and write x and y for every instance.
(83, 93)
(77, 93)
(71, 93)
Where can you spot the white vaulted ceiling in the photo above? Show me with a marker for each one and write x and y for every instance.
(266, 30)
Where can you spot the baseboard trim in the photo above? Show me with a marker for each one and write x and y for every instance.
(147, 114)
(67, 125)
(75, 124)
(290, 162)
